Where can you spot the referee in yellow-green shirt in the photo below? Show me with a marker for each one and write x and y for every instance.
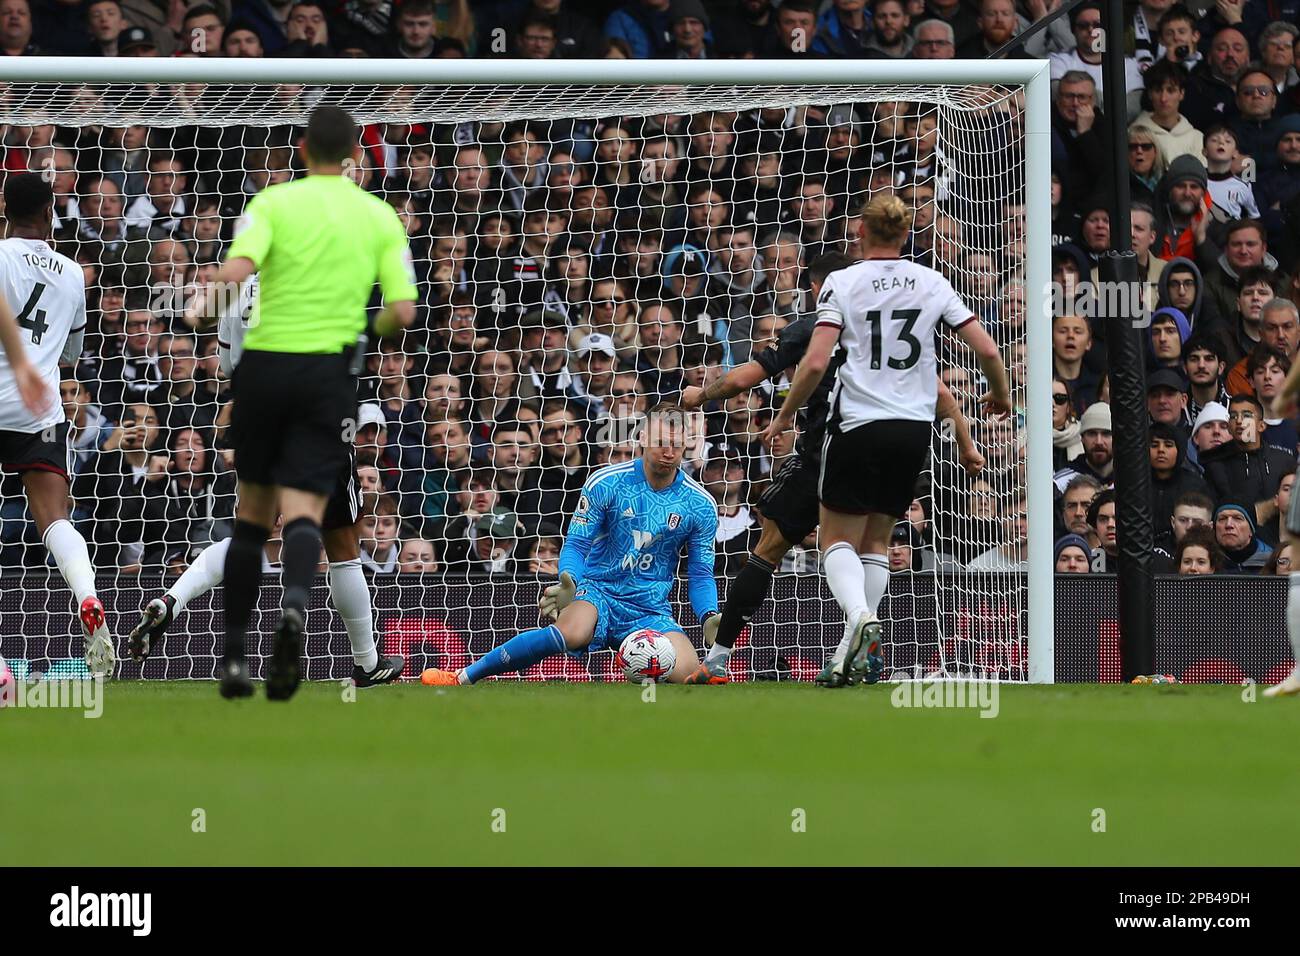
(319, 244)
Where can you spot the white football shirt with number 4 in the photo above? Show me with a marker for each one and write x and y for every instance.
(888, 311)
(47, 292)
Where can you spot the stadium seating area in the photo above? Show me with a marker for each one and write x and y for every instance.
(572, 273)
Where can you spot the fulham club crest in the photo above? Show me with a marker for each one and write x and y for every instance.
(674, 520)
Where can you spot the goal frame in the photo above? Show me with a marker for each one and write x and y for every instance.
(1031, 75)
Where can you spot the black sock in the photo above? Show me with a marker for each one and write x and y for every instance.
(748, 591)
(242, 582)
(299, 558)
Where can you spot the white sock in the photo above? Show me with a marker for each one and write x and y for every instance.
(207, 571)
(847, 582)
(875, 570)
(351, 595)
(1293, 620)
(68, 547)
(462, 677)
(717, 653)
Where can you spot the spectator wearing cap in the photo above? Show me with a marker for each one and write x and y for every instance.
(1203, 366)
(1182, 210)
(1167, 400)
(136, 41)
(1072, 555)
(1199, 553)
(544, 355)
(890, 37)
(1170, 475)
(492, 549)
(1234, 530)
(1173, 133)
(372, 444)
(643, 25)
(593, 366)
(1267, 369)
(1279, 331)
(1166, 335)
(1210, 430)
(1211, 85)
(689, 28)
(1192, 509)
(1098, 458)
(1246, 469)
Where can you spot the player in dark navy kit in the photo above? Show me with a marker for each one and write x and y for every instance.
(789, 505)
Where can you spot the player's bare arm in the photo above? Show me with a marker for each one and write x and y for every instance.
(811, 370)
(35, 394)
(739, 379)
(947, 409)
(997, 400)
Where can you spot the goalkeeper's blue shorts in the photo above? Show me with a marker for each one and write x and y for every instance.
(616, 617)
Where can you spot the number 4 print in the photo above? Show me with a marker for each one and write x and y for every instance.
(33, 318)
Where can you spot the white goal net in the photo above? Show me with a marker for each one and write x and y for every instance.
(582, 251)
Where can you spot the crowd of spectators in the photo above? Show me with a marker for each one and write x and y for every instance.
(574, 271)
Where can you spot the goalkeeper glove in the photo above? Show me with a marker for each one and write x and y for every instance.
(558, 596)
(711, 623)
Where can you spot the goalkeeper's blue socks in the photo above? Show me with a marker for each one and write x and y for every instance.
(517, 654)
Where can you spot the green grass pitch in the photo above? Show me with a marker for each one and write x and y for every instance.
(592, 774)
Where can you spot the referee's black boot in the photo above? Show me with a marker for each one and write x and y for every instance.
(285, 670)
(234, 680)
(388, 670)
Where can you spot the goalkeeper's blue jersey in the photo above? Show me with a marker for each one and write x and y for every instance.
(628, 538)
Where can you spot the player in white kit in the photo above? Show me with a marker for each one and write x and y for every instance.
(47, 291)
(883, 313)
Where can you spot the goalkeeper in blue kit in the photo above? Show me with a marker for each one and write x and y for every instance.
(619, 560)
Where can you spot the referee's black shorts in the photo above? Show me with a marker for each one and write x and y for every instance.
(872, 469)
(790, 499)
(289, 426)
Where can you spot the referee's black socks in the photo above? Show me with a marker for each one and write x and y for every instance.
(299, 558)
(748, 591)
(243, 580)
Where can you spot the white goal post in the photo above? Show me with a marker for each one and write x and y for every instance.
(76, 92)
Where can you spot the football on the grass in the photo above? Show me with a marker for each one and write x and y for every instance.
(646, 656)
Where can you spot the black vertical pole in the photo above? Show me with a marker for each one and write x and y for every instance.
(1126, 320)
